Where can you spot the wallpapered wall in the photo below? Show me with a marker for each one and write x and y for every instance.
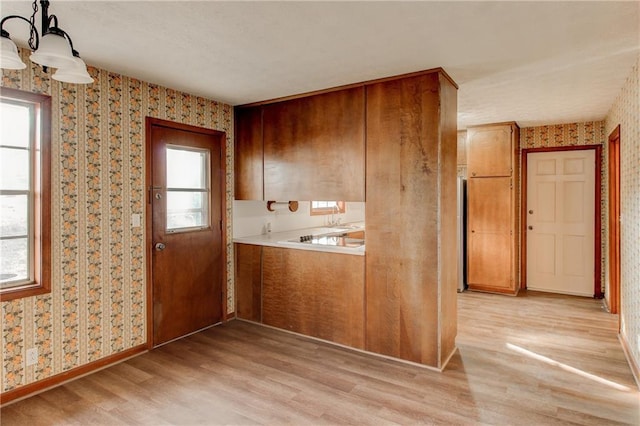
(626, 112)
(97, 305)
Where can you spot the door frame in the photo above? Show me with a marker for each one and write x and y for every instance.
(614, 221)
(148, 209)
(597, 282)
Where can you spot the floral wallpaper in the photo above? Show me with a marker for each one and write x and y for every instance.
(573, 134)
(97, 306)
(557, 135)
(626, 113)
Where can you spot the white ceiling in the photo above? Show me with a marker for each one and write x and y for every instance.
(533, 62)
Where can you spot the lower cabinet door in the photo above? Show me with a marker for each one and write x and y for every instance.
(314, 293)
(248, 266)
(490, 240)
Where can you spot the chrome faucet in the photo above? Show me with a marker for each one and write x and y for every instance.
(334, 210)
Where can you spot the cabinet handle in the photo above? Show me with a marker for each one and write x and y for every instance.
(530, 227)
(473, 173)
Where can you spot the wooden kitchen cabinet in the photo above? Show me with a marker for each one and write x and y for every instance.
(314, 147)
(248, 158)
(248, 280)
(411, 262)
(462, 148)
(492, 149)
(490, 244)
(492, 208)
(315, 293)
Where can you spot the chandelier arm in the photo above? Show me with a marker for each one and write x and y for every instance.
(33, 46)
(48, 27)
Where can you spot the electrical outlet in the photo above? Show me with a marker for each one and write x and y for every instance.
(32, 356)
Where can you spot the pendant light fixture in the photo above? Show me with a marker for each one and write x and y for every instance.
(52, 48)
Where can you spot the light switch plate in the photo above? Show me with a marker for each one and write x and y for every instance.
(135, 220)
(32, 356)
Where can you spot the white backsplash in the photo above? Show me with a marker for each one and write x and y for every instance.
(252, 217)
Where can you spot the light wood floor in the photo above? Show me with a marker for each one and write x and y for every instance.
(535, 360)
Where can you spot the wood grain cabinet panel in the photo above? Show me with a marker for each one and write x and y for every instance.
(490, 233)
(248, 279)
(491, 150)
(493, 216)
(314, 293)
(462, 148)
(248, 154)
(411, 267)
(314, 147)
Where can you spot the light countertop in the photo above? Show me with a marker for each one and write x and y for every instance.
(281, 239)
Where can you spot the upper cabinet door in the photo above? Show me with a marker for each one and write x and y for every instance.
(314, 147)
(490, 150)
(248, 154)
(462, 148)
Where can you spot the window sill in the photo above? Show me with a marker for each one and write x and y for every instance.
(19, 293)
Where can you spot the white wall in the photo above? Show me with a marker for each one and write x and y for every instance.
(252, 217)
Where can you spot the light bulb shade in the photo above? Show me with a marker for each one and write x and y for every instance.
(77, 73)
(9, 58)
(54, 51)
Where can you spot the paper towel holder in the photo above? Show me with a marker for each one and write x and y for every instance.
(293, 205)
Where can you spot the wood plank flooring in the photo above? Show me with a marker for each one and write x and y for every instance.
(538, 359)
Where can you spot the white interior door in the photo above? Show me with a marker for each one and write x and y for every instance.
(560, 221)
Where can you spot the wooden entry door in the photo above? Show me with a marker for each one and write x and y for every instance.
(186, 197)
(560, 222)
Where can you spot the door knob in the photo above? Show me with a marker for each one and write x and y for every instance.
(159, 246)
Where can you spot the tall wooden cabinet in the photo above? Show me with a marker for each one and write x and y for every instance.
(411, 262)
(492, 208)
(462, 148)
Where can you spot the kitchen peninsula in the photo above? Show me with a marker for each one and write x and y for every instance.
(396, 152)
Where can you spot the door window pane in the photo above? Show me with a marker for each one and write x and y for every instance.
(14, 215)
(186, 168)
(187, 188)
(187, 210)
